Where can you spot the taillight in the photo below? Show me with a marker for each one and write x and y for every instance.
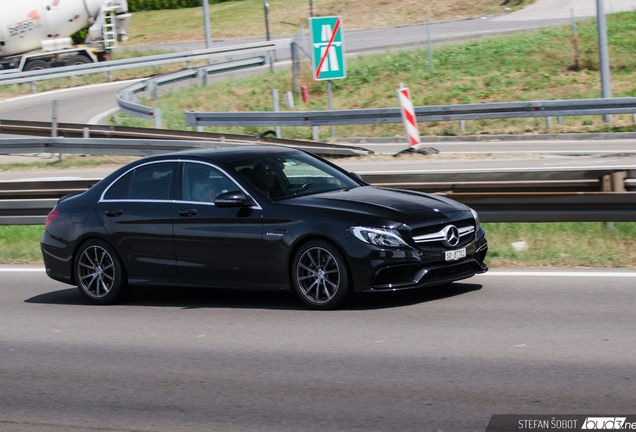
(51, 217)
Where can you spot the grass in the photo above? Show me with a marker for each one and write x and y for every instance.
(535, 65)
(573, 244)
(20, 244)
(240, 19)
(550, 244)
(71, 162)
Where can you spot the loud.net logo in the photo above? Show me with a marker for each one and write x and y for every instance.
(608, 423)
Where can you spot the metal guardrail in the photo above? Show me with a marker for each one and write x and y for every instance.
(112, 65)
(492, 207)
(544, 198)
(25, 211)
(148, 147)
(500, 110)
(125, 97)
(74, 130)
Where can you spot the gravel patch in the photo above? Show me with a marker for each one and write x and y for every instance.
(543, 9)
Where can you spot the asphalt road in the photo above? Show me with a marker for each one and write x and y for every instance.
(442, 359)
(442, 163)
(561, 147)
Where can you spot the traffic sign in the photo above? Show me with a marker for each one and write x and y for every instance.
(408, 116)
(327, 48)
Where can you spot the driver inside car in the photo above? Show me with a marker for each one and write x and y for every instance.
(204, 190)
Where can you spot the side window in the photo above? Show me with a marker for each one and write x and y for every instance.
(152, 181)
(120, 190)
(202, 183)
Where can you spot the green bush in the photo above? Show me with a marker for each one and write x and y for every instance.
(146, 5)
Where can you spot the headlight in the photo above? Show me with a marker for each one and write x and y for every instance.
(476, 216)
(378, 236)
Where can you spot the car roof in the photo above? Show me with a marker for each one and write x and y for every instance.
(232, 153)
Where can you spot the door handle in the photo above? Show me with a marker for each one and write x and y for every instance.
(188, 212)
(114, 212)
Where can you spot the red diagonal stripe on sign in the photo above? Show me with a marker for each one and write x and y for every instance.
(413, 140)
(409, 117)
(333, 35)
(407, 114)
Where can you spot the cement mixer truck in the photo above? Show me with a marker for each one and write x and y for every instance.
(35, 34)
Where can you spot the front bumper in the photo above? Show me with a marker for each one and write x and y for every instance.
(374, 269)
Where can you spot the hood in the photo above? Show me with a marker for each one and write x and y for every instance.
(399, 206)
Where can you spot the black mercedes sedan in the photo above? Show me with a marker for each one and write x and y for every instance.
(256, 217)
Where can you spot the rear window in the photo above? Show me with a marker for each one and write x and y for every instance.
(148, 182)
(152, 182)
(120, 189)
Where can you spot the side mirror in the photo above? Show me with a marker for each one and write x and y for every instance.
(356, 176)
(232, 199)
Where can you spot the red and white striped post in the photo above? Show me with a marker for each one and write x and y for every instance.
(408, 116)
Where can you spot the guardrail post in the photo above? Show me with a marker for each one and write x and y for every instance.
(548, 121)
(634, 118)
(560, 119)
(618, 181)
(203, 74)
(156, 113)
(462, 125)
(33, 91)
(430, 44)
(153, 87)
(109, 76)
(199, 128)
(329, 98)
(603, 55)
(54, 120)
(276, 109)
(294, 76)
(289, 99)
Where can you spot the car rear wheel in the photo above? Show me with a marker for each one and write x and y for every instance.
(320, 276)
(99, 273)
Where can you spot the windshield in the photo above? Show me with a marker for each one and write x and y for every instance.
(290, 175)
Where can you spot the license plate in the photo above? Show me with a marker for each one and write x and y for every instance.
(454, 255)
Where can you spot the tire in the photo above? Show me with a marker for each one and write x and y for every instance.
(320, 276)
(36, 65)
(78, 60)
(99, 273)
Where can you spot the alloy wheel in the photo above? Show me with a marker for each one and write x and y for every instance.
(96, 271)
(318, 275)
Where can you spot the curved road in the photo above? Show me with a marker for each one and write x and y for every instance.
(442, 359)
(80, 106)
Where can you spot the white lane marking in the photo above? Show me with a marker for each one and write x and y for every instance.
(563, 152)
(19, 180)
(541, 168)
(582, 273)
(22, 269)
(97, 118)
(19, 98)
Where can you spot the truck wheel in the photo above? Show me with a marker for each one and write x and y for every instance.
(77, 60)
(36, 65)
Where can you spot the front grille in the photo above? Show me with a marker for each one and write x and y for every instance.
(428, 229)
(438, 245)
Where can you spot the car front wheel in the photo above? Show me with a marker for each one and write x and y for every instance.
(99, 273)
(320, 276)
